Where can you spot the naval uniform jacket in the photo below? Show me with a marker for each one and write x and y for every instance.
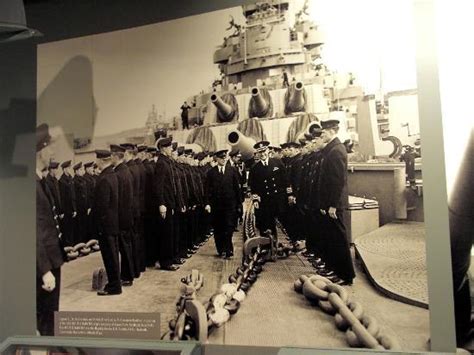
(53, 185)
(91, 180)
(68, 195)
(150, 176)
(164, 187)
(106, 203)
(269, 181)
(82, 196)
(223, 189)
(125, 196)
(142, 173)
(49, 255)
(333, 176)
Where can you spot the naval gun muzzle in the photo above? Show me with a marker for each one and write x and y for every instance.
(244, 144)
(260, 103)
(226, 107)
(295, 98)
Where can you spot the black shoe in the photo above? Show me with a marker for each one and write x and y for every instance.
(319, 266)
(326, 273)
(342, 282)
(127, 283)
(224, 255)
(170, 268)
(106, 292)
(178, 261)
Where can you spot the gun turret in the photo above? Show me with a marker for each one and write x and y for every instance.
(295, 98)
(242, 143)
(227, 108)
(260, 103)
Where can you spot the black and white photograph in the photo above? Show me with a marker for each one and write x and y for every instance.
(252, 175)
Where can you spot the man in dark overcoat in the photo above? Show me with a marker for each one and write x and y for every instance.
(164, 195)
(223, 201)
(269, 186)
(125, 214)
(68, 203)
(49, 253)
(107, 221)
(333, 200)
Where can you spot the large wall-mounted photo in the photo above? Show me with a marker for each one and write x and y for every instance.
(252, 175)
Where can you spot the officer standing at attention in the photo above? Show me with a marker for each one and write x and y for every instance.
(333, 200)
(53, 184)
(90, 179)
(125, 214)
(223, 201)
(106, 219)
(83, 207)
(49, 254)
(164, 193)
(68, 202)
(269, 186)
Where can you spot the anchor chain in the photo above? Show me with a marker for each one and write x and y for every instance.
(349, 316)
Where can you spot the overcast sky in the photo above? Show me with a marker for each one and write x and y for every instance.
(165, 63)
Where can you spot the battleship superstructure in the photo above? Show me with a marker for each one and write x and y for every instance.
(273, 81)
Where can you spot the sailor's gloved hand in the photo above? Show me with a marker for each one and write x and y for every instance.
(49, 282)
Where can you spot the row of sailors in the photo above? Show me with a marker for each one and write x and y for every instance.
(120, 206)
(312, 209)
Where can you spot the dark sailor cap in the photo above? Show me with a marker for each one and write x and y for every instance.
(234, 153)
(141, 148)
(221, 153)
(329, 124)
(200, 156)
(163, 142)
(151, 149)
(89, 164)
(66, 164)
(102, 154)
(128, 146)
(77, 166)
(53, 165)
(115, 148)
(293, 145)
(161, 133)
(260, 146)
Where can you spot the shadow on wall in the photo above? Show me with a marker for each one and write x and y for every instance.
(68, 102)
(13, 125)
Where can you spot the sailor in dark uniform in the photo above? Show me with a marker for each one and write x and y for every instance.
(83, 207)
(90, 179)
(333, 199)
(129, 157)
(269, 186)
(125, 214)
(223, 199)
(235, 160)
(68, 203)
(49, 253)
(53, 184)
(151, 237)
(107, 221)
(164, 193)
(139, 158)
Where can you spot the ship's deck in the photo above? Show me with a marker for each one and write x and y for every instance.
(273, 314)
